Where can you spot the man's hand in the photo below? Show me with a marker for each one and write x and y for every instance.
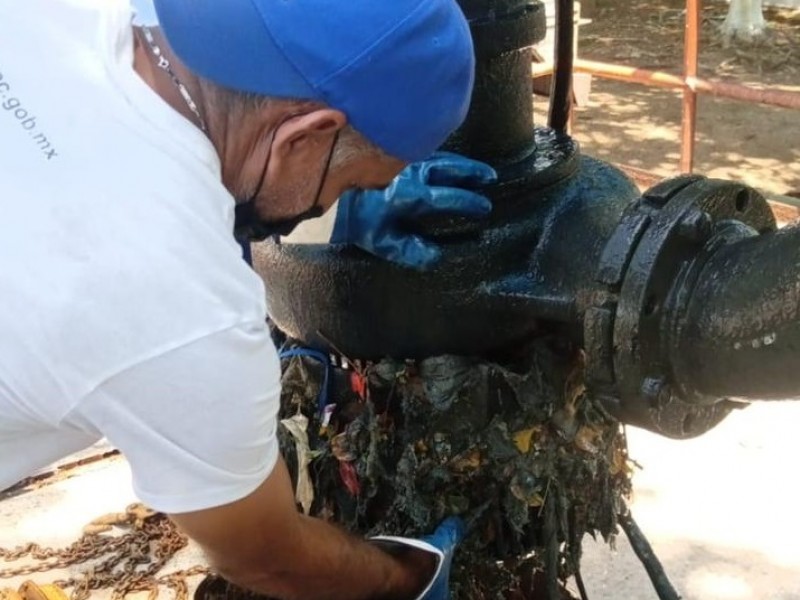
(263, 544)
(378, 221)
(442, 544)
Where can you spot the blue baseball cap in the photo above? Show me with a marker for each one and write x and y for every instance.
(401, 70)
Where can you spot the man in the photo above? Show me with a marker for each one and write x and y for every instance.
(126, 311)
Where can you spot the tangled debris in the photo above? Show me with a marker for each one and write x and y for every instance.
(516, 447)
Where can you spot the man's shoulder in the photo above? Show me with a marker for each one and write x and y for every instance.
(114, 272)
(74, 109)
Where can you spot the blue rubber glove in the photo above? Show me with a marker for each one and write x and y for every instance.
(446, 538)
(379, 221)
(442, 543)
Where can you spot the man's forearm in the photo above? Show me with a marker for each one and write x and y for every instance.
(262, 543)
(334, 565)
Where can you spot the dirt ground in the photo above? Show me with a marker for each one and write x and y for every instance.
(640, 125)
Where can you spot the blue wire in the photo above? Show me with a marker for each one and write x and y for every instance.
(322, 401)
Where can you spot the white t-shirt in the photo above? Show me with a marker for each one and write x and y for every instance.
(144, 13)
(125, 308)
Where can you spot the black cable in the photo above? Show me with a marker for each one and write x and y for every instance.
(561, 90)
(644, 552)
(581, 586)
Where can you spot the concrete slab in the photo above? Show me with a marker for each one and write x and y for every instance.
(719, 511)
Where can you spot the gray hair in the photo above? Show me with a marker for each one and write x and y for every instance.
(350, 146)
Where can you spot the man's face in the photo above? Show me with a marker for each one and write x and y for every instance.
(285, 169)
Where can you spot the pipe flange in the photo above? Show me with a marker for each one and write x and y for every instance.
(521, 27)
(644, 267)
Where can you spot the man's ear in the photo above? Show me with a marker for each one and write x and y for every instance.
(307, 136)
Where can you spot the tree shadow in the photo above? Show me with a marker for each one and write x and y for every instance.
(640, 126)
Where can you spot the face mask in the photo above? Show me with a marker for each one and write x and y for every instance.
(248, 226)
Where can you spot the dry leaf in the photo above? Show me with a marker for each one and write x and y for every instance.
(297, 426)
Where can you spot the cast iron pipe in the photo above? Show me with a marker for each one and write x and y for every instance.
(740, 333)
(503, 32)
(676, 281)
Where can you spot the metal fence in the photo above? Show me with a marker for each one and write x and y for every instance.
(689, 81)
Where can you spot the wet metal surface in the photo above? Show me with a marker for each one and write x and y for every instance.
(531, 262)
(740, 335)
(667, 291)
(650, 270)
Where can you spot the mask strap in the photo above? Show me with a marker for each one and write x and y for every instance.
(247, 224)
(315, 206)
